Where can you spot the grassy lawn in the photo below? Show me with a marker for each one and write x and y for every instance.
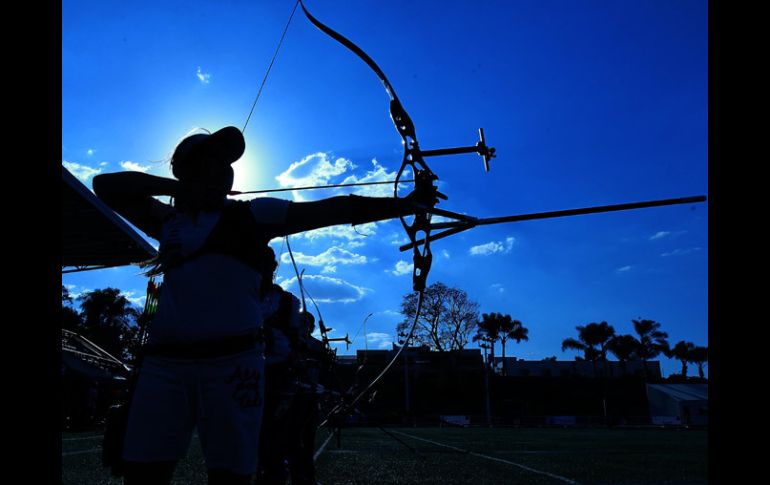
(524, 456)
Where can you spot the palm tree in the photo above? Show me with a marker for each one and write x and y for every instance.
(488, 331)
(510, 329)
(624, 347)
(602, 333)
(699, 356)
(652, 340)
(682, 352)
(589, 337)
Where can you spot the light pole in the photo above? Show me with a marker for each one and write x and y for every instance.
(486, 385)
(366, 346)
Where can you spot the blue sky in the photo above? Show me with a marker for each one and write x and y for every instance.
(587, 103)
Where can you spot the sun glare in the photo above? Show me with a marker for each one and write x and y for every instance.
(249, 172)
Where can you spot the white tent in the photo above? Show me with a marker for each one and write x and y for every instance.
(93, 236)
(88, 359)
(678, 403)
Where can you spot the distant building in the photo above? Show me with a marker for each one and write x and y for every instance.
(564, 368)
(456, 388)
(466, 359)
(472, 359)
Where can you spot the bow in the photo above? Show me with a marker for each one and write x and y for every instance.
(424, 180)
(413, 158)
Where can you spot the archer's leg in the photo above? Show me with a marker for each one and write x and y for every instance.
(231, 394)
(219, 476)
(159, 425)
(156, 473)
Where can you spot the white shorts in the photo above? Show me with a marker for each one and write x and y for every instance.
(223, 397)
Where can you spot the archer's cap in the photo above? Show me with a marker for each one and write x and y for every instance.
(225, 146)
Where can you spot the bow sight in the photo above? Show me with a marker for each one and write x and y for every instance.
(487, 153)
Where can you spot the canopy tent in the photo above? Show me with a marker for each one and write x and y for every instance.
(678, 403)
(88, 359)
(93, 236)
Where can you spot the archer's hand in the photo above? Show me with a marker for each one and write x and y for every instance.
(425, 193)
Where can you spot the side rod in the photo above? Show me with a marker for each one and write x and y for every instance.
(459, 226)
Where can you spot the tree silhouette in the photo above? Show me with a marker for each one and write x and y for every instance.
(699, 356)
(682, 352)
(70, 318)
(624, 347)
(459, 318)
(488, 331)
(590, 337)
(589, 352)
(447, 319)
(652, 340)
(510, 329)
(107, 320)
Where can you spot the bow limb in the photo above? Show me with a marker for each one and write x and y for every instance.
(412, 156)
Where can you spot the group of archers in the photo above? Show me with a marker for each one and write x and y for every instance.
(205, 366)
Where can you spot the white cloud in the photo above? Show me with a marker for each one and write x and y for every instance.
(398, 239)
(623, 269)
(493, 247)
(402, 268)
(445, 253)
(378, 173)
(83, 172)
(134, 167)
(90, 151)
(333, 255)
(103, 164)
(74, 294)
(314, 169)
(355, 244)
(666, 234)
(136, 300)
(680, 252)
(437, 218)
(497, 287)
(319, 169)
(326, 289)
(329, 269)
(346, 232)
(202, 76)
(379, 340)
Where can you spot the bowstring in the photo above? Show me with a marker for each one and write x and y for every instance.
(270, 67)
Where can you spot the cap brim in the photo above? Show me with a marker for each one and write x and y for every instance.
(226, 144)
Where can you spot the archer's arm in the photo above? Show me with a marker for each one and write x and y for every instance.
(130, 195)
(351, 209)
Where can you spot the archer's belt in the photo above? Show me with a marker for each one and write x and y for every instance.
(207, 349)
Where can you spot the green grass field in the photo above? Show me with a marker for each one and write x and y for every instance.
(522, 456)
